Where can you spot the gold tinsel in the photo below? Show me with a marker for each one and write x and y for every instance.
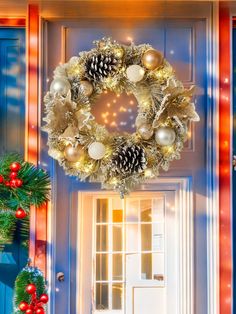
(162, 100)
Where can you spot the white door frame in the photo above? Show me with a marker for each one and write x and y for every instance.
(184, 242)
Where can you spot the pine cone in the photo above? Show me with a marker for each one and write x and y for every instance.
(129, 160)
(101, 66)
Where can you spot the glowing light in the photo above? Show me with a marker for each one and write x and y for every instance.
(148, 173)
(114, 181)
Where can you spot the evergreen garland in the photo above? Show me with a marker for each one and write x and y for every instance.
(28, 275)
(33, 190)
(35, 187)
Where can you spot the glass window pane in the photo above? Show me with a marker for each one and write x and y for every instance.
(102, 238)
(158, 266)
(132, 211)
(117, 237)
(101, 267)
(158, 237)
(146, 210)
(132, 238)
(117, 215)
(146, 237)
(117, 292)
(102, 210)
(146, 261)
(158, 209)
(102, 296)
(117, 271)
(117, 212)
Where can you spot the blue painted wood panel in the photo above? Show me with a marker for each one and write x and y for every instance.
(183, 42)
(12, 121)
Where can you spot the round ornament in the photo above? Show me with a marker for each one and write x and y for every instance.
(20, 213)
(44, 298)
(15, 166)
(7, 183)
(96, 150)
(145, 131)
(40, 310)
(31, 288)
(60, 85)
(165, 136)
(135, 73)
(23, 306)
(18, 182)
(29, 311)
(1, 179)
(152, 59)
(72, 153)
(86, 87)
(13, 183)
(118, 160)
(13, 175)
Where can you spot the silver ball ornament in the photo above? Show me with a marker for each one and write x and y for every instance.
(96, 150)
(60, 85)
(145, 131)
(73, 153)
(135, 73)
(165, 136)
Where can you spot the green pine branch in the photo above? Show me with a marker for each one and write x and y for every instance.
(7, 228)
(34, 191)
(28, 275)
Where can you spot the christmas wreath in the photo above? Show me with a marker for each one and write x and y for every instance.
(118, 160)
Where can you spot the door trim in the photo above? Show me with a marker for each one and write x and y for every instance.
(185, 259)
(210, 13)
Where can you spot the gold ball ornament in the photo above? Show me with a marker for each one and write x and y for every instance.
(152, 59)
(73, 153)
(140, 120)
(86, 87)
(145, 131)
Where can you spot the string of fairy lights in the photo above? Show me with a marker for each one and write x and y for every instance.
(106, 137)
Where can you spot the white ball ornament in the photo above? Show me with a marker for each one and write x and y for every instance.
(135, 73)
(60, 85)
(165, 136)
(96, 150)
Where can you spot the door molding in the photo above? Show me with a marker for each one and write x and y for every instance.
(208, 12)
(184, 226)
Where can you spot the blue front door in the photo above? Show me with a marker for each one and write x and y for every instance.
(12, 122)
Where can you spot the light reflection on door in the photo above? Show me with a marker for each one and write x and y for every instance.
(132, 228)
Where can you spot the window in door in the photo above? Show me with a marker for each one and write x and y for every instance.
(134, 226)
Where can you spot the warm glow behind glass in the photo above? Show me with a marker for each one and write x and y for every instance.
(116, 112)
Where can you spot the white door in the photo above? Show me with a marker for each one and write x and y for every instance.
(133, 253)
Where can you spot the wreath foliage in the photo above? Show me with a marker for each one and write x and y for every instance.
(87, 149)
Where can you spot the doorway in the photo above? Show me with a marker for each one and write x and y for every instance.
(130, 260)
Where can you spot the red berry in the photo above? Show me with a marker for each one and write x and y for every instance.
(13, 183)
(40, 310)
(13, 175)
(1, 179)
(18, 183)
(29, 311)
(20, 213)
(7, 183)
(30, 288)
(23, 306)
(15, 166)
(44, 298)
